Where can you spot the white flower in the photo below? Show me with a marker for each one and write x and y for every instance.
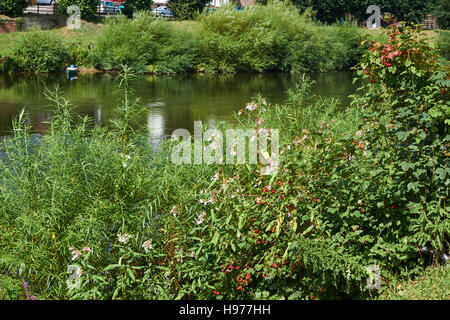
(358, 133)
(147, 244)
(124, 164)
(200, 217)
(251, 106)
(215, 177)
(174, 211)
(123, 237)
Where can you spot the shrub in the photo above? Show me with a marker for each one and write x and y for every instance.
(155, 43)
(132, 6)
(88, 8)
(39, 51)
(185, 9)
(286, 40)
(13, 8)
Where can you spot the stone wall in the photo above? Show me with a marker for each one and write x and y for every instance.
(29, 21)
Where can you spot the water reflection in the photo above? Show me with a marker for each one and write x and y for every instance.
(172, 101)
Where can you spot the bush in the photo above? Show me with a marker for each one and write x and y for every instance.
(260, 38)
(286, 40)
(155, 45)
(186, 9)
(88, 8)
(132, 6)
(13, 8)
(39, 51)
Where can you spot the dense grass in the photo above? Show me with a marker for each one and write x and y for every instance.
(432, 284)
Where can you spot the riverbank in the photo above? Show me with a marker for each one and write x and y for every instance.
(338, 210)
(261, 39)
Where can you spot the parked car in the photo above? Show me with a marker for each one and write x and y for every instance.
(163, 11)
(107, 7)
(45, 1)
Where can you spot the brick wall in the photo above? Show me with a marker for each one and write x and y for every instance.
(7, 25)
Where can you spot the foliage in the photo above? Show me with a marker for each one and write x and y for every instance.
(88, 8)
(132, 6)
(287, 41)
(155, 45)
(39, 51)
(443, 44)
(186, 9)
(442, 13)
(327, 11)
(13, 8)
(363, 186)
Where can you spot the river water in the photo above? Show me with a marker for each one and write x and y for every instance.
(172, 101)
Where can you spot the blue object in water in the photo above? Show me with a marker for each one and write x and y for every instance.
(72, 72)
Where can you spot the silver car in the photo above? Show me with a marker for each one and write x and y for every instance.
(107, 7)
(163, 11)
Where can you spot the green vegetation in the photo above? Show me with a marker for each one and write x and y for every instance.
(262, 38)
(330, 11)
(12, 8)
(184, 9)
(433, 284)
(442, 13)
(88, 8)
(443, 44)
(132, 6)
(363, 186)
(38, 51)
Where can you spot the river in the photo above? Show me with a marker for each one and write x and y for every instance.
(172, 101)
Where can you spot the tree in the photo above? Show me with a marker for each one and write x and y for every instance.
(442, 13)
(185, 9)
(327, 11)
(88, 8)
(132, 6)
(412, 11)
(12, 8)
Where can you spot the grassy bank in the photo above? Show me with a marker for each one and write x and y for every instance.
(354, 188)
(267, 38)
(260, 39)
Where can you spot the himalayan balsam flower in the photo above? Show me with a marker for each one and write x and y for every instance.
(123, 237)
(174, 211)
(147, 244)
(75, 253)
(251, 106)
(200, 217)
